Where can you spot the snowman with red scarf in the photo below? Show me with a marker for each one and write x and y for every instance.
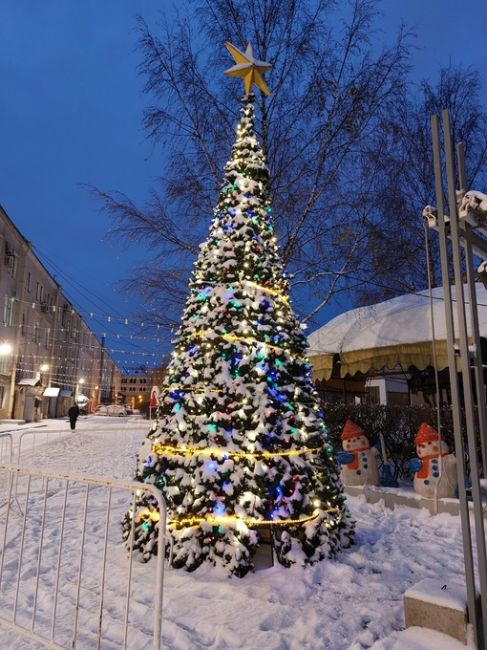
(435, 469)
(358, 460)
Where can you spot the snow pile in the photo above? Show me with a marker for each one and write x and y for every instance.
(398, 321)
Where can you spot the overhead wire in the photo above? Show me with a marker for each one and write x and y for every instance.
(93, 299)
(108, 326)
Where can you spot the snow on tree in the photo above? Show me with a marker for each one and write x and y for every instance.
(240, 446)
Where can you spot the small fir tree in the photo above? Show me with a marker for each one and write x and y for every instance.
(240, 445)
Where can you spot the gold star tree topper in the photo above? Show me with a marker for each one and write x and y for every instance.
(248, 68)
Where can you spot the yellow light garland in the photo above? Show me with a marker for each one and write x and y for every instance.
(246, 339)
(167, 450)
(219, 520)
(200, 390)
(254, 285)
(215, 520)
(273, 292)
(146, 514)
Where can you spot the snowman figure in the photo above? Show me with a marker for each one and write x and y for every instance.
(358, 460)
(435, 469)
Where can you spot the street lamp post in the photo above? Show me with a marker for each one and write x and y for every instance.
(44, 368)
(77, 392)
(43, 404)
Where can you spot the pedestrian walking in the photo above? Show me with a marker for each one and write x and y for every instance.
(73, 414)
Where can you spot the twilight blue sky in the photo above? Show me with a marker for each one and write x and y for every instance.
(70, 114)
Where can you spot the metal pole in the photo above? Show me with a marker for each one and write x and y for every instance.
(466, 376)
(457, 425)
(102, 363)
(103, 570)
(161, 554)
(59, 557)
(474, 319)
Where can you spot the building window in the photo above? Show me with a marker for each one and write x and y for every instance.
(2, 396)
(29, 282)
(36, 337)
(397, 399)
(22, 326)
(3, 369)
(7, 312)
(10, 260)
(46, 338)
(373, 395)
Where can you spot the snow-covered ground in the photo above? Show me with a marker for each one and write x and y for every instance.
(352, 602)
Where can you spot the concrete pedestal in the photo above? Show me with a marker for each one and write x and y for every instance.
(438, 605)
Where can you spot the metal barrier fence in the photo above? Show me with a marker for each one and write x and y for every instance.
(6, 448)
(16, 445)
(6, 458)
(66, 578)
(30, 441)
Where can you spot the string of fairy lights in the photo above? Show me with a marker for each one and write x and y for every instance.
(168, 450)
(87, 347)
(106, 319)
(46, 309)
(259, 350)
(68, 340)
(97, 312)
(147, 515)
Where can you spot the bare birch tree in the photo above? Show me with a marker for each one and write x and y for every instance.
(332, 85)
(394, 258)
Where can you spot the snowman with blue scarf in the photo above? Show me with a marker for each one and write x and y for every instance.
(435, 469)
(358, 460)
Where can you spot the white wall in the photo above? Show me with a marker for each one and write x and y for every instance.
(387, 384)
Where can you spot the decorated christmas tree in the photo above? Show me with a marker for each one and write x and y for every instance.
(239, 448)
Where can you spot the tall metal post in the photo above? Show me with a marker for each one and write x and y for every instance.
(474, 318)
(455, 391)
(466, 374)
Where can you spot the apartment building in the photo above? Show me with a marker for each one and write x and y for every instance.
(49, 357)
(135, 386)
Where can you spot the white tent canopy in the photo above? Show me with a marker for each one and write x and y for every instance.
(391, 333)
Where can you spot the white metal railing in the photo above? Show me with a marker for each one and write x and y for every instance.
(62, 562)
(29, 441)
(6, 457)
(6, 448)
